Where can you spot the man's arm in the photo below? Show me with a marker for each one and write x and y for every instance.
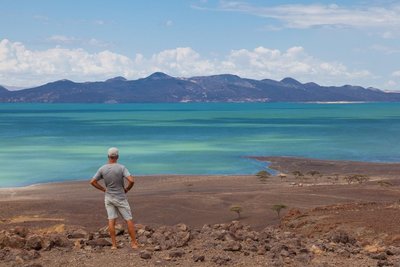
(131, 181)
(97, 185)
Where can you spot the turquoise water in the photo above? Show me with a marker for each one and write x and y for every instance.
(55, 142)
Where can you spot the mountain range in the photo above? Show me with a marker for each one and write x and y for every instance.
(160, 87)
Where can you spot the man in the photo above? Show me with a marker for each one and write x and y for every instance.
(115, 199)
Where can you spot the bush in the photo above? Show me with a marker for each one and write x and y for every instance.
(277, 208)
(236, 208)
(263, 175)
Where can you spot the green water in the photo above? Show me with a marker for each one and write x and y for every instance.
(56, 142)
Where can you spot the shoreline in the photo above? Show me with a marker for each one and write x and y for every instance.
(283, 164)
(328, 167)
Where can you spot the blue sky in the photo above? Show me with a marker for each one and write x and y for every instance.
(328, 42)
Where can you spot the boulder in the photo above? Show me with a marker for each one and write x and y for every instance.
(232, 246)
(78, 233)
(379, 256)
(34, 242)
(21, 231)
(144, 254)
(28, 255)
(15, 241)
(100, 242)
(168, 237)
(176, 253)
(57, 240)
(4, 239)
(221, 260)
(198, 258)
(181, 227)
(103, 232)
(342, 237)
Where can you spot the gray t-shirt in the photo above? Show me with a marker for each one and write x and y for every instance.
(113, 175)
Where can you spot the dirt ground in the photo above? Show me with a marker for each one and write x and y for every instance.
(199, 200)
(315, 208)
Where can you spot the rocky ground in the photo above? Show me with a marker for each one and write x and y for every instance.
(302, 239)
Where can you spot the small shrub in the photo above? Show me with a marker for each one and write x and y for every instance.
(277, 208)
(385, 183)
(263, 175)
(236, 208)
(360, 178)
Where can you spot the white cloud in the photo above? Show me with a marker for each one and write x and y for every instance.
(21, 66)
(396, 73)
(306, 16)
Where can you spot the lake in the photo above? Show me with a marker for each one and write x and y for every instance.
(58, 142)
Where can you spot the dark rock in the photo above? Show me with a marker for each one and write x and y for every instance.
(389, 252)
(232, 246)
(383, 263)
(90, 236)
(235, 226)
(21, 231)
(142, 239)
(5, 255)
(221, 260)
(285, 253)
(218, 234)
(304, 250)
(100, 242)
(197, 258)
(176, 253)
(168, 237)
(379, 256)
(33, 265)
(57, 240)
(15, 241)
(342, 237)
(28, 255)
(304, 259)
(34, 242)
(144, 254)
(103, 232)
(4, 239)
(79, 233)
(393, 251)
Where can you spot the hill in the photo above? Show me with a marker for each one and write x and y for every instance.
(160, 87)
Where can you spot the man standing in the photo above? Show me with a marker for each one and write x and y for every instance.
(115, 199)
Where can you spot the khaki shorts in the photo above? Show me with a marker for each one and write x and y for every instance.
(116, 206)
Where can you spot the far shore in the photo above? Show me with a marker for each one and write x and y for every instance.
(202, 199)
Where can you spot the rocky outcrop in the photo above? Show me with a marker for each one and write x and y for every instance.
(220, 244)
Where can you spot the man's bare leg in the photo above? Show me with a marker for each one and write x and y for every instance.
(131, 230)
(111, 229)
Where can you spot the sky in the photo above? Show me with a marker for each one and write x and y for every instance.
(327, 42)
